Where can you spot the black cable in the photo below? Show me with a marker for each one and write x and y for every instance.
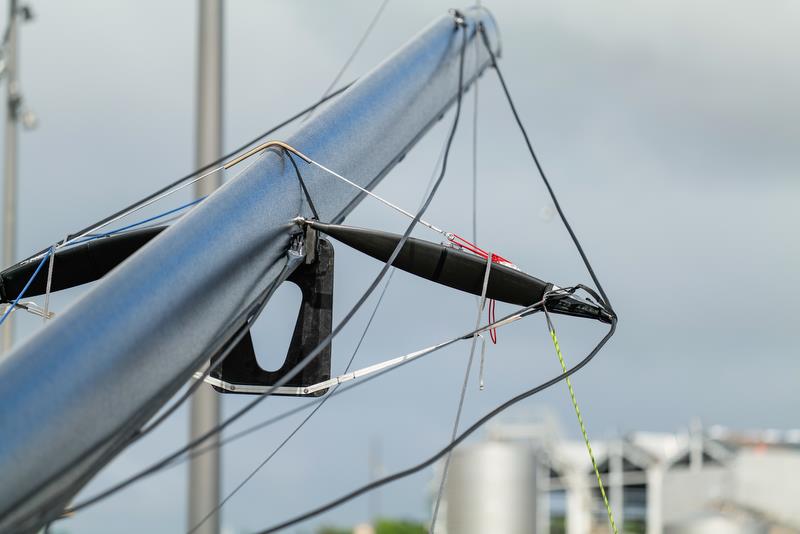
(218, 355)
(333, 393)
(452, 445)
(442, 452)
(302, 423)
(341, 389)
(324, 343)
(541, 171)
(302, 184)
(193, 387)
(202, 169)
(354, 53)
(297, 409)
(166, 188)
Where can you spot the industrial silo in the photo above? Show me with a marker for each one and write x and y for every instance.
(491, 487)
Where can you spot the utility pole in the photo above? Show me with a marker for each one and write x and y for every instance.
(204, 469)
(14, 113)
(375, 472)
(10, 157)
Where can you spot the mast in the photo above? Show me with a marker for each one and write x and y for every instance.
(73, 394)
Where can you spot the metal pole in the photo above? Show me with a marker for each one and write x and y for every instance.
(71, 394)
(10, 158)
(616, 480)
(204, 470)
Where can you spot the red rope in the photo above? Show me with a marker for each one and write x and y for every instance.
(475, 249)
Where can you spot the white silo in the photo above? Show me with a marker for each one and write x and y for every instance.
(491, 487)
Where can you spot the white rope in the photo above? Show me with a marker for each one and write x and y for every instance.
(46, 316)
(143, 205)
(378, 198)
(394, 362)
(481, 305)
(481, 385)
(372, 369)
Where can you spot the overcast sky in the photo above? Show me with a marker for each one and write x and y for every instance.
(670, 130)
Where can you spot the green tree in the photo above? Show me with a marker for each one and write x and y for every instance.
(389, 526)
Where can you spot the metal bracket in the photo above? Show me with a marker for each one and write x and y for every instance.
(240, 372)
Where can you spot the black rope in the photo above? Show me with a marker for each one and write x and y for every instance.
(452, 445)
(354, 53)
(341, 389)
(461, 437)
(302, 184)
(572, 235)
(302, 423)
(324, 343)
(202, 169)
(218, 355)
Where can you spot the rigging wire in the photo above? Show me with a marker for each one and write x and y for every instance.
(51, 254)
(275, 419)
(605, 299)
(518, 398)
(565, 372)
(197, 451)
(27, 285)
(557, 205)
(217, 353)
(46, 311)
(475, 146)
(481, 304)
(216, 165)
(92, 237)
(325, 342)
(334, 389)
(353, 54)
(452, 445)
(211, 165)
(456, 240)
(302, 423)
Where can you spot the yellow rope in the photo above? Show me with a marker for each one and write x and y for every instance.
(583, 427)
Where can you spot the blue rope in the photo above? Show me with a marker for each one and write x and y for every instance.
(134, 225)
(106, 234)
(27, 285)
